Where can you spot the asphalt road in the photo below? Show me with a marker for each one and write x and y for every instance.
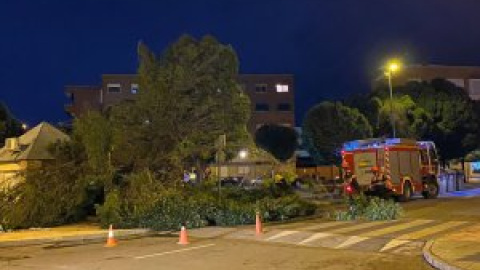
(163, 253)
(283, 247)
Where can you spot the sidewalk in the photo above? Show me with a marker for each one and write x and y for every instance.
(66, 235)
(459, 250)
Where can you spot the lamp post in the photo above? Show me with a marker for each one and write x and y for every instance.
(392, 67)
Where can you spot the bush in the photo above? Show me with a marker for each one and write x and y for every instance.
(374, 208)
(110, 211)
(171, 212)
(234, 213)
(43, 198)
(142, 202)
(379, 209)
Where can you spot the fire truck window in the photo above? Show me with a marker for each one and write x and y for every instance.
(424, 156)
(433, 154)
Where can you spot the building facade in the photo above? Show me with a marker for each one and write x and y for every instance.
(272, 96)
(467, 77)
(28, 151)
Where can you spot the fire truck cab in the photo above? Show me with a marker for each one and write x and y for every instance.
(391, 167)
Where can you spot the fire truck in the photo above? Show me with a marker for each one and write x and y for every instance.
(400, 167)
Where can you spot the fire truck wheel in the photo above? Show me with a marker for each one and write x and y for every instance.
(431, 190)
(407, 192)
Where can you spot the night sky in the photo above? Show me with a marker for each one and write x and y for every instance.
(331, 46)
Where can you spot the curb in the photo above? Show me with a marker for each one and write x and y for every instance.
(434, 260)
(80, 239)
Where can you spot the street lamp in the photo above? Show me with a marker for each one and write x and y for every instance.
(392, 67)
(243, 154)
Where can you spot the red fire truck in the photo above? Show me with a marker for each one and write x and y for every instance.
(400, 167)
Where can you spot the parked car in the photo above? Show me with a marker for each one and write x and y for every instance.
(232, 181)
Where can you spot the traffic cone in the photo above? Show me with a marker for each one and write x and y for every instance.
(111, 242)
(258, 225)
(183, 237)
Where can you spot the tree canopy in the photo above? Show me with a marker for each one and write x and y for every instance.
(438, 111)
(188, 97)
(279, 141)
(9, 125)
(328, 125)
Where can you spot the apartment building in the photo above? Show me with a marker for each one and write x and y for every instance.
(467, 77)
(272, 96)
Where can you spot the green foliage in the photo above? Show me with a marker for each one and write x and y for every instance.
(143, 202)
(411, 121)
(379, 209)
(9, 125)
(436, 110)
(328, 125)
(456, 124)
(279, 141)
(44, 198)
(188, 97)
(110, 211)
(95, 134)
(369, 208)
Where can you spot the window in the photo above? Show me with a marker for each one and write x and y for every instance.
(282, 88)
(284, 107)
(262, 107)
(134, 88)
(261, 88)
(114, 88)
(474, 86)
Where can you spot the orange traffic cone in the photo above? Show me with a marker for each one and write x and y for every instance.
(111, 242)
(183, 237)
(258, 225)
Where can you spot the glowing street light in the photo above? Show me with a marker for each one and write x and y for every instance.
(24, 126)
(243, 154)
(392, 66)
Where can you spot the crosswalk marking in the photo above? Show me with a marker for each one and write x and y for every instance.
(397, 228)
(314, 237)
(393, 244)
(431, 230)
(362, 226)
(351, 241)
(325, 225)
(280, 234)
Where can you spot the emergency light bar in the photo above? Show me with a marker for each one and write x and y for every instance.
(376, 143)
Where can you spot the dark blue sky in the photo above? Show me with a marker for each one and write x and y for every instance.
(332, 46)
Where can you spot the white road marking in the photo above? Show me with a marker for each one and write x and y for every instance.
(325, 225)
(173, 251)
(315, 237)
(398, 227)
(393, 244)
(418, 234)
(351, 241)
(364, 225)
(281, 234)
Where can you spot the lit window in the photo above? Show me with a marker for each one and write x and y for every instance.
(284, 107)
(282, 88)
(114, 88)
(134, 88)
(262, 107)
(261, 88)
